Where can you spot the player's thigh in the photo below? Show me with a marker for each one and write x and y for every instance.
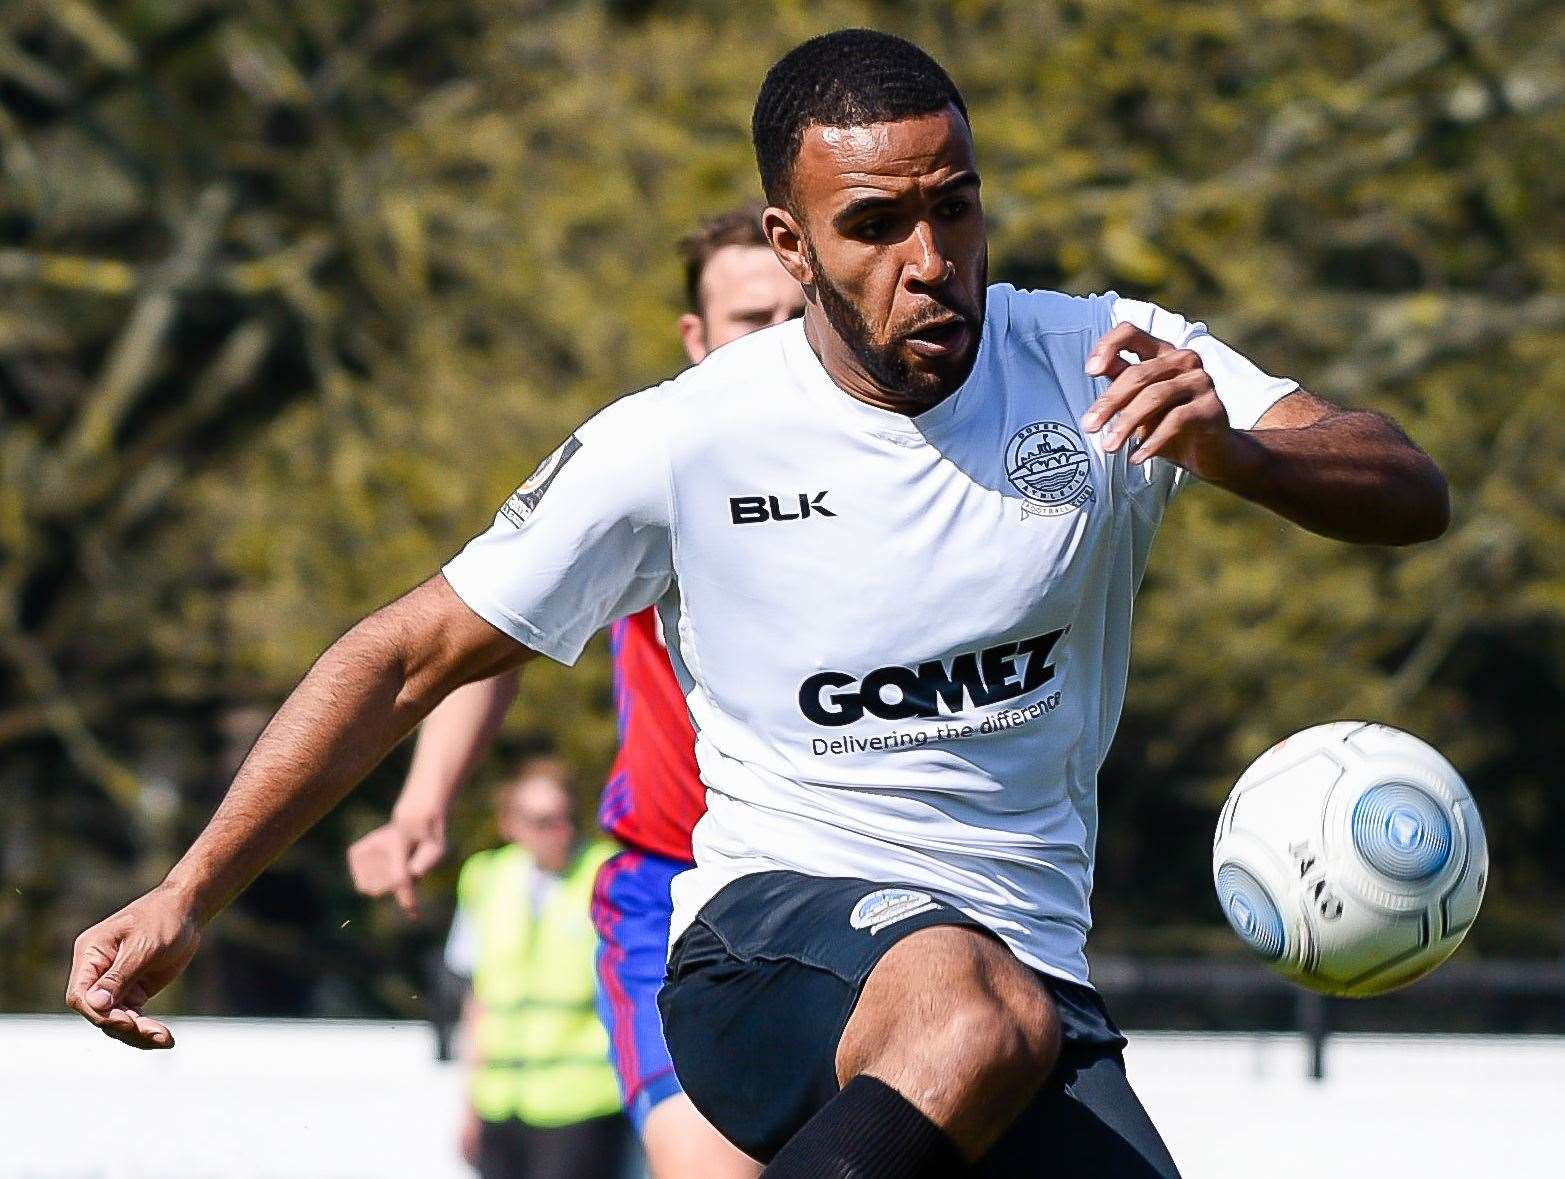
(955, 1023)
(761, 986)
(1086, 1123)
(937, 1001)
(681, 1144)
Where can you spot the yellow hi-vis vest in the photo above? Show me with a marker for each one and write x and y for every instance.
(543, 1055)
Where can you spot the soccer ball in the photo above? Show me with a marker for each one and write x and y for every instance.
(1351, 857)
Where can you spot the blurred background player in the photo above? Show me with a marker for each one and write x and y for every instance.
(542, 1097)
(653, 797)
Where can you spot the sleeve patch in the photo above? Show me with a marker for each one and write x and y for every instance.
(524, 500)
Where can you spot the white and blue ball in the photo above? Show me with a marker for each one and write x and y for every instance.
(1351, 858)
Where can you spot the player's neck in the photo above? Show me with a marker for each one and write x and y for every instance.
(848, 373)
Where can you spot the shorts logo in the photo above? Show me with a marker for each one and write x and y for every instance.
(1048, 464)
(887, 907)
(525, 498)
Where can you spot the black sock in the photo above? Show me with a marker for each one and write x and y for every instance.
(868, 1131)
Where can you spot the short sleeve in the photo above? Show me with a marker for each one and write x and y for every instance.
(583, 541)
(1244, 389)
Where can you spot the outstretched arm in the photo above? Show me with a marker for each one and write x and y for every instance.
(1345, 474)
(361, 697)
(391, 859)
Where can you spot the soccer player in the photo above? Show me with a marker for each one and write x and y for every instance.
(895, 547)
(654, 796)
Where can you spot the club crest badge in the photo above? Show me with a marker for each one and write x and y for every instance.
(887, 907)
(1047, 462)
(525, 498)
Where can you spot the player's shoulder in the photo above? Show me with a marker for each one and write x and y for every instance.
(740, 376)
(1028, 313)
(1158, 321)
(729, 382)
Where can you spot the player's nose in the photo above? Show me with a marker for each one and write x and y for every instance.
(927, 264)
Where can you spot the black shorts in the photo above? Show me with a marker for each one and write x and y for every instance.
(762, 984)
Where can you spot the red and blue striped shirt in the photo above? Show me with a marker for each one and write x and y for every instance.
(654, 793)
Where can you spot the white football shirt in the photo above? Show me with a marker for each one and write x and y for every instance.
(904, 641)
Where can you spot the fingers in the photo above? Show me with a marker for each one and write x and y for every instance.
(358, 857)
(386, 863)
(89, 959)
(371, 863)
(1151, 404)
(406, 897)
(123, 961)
(1134, 378)
(130, 1026)
(1202, 411)
(426, 854)
(130, 955)
(385, 859)
(100, 965)
(135, 996)
(1124, 337)
(99, 990)
(389, 876)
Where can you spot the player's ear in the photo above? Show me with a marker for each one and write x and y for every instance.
(787, 242)
(693, 333)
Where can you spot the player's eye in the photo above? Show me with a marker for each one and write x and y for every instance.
(957, 207)
(874, 229)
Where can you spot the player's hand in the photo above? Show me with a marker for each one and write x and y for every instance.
(124, 960)
(1166, 403)
(393, 858)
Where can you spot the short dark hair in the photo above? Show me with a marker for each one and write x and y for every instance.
(844, 79)
(739, 226)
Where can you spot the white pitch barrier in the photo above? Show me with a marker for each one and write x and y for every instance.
(1435, 1107)
(234, 1099)
(247, 1099)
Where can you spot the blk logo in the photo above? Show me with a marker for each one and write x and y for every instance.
(758, 509)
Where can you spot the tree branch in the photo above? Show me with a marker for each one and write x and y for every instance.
(134, 356)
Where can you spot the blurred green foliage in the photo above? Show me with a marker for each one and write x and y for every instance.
(295, 292)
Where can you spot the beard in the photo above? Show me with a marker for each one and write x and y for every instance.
(885, 362)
